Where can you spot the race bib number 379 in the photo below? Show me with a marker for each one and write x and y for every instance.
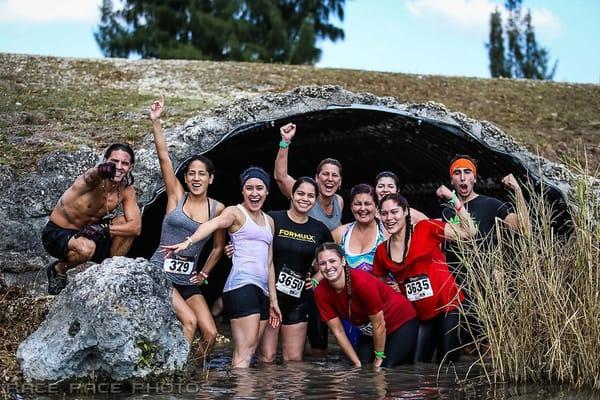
(418, 287)
(180, 265)
(290, 282)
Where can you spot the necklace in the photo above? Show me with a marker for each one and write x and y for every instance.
(106, 195)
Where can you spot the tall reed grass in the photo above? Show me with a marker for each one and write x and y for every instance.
(537, 296)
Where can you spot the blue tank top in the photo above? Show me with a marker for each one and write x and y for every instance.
(362, 261)
(175, 228)
(331, 221)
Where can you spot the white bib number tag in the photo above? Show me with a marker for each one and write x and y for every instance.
(180, 265)
(418, 287)
(290, 282)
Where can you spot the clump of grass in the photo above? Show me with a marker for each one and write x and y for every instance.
(537, 296)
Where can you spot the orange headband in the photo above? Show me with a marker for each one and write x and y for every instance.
(463, 163)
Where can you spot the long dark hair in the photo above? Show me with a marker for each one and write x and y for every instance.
(363, 188)
(331, 161)
(403, 203)
(305, 179)
(388, 174)
(126, 148)
(210, 167)
(340, 252)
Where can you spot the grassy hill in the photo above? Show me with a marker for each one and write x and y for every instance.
(50, 103)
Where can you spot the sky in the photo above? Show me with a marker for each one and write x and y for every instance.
(439, 37)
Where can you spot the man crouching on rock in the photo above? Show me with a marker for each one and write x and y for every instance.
(82, 226)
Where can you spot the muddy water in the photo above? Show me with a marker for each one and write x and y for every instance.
(331, 377)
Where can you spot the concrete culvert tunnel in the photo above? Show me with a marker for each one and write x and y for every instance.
(366, 139)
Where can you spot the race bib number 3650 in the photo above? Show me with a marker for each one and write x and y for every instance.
(180, 265)
(290, 282)
(418, 287)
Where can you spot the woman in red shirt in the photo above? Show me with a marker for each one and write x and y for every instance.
(414, 257)
(386, 318)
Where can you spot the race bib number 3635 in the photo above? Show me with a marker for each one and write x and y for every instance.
(180, 265)
(418, 287)
(290, 282)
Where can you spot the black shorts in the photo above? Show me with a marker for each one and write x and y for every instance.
(56, 242)
(244, 301)
(187, 291)
(294, 312)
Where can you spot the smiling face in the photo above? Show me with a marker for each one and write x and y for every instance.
(329, 180)
(254, 192)
(385, 185)
(304, 198)
(197, 178)
(393, 216)
(331, 265)
(122, 160)
(463, 180)
(363, 208)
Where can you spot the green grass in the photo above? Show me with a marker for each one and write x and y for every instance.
(96, 102)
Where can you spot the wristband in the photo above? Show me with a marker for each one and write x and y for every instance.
(190, 241)
(314, 282)
(379, 354)
(283, 144)
(452, 201)
(205, 276)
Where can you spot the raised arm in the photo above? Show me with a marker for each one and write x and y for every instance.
(519, 220)
(417, 216)
(174, 188)
(465, 228)
(284, 181)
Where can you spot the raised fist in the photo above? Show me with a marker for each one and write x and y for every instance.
(287, 132)
(443, 193)
(107, 170)
(95, 232)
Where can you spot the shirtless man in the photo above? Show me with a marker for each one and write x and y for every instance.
(82, 226)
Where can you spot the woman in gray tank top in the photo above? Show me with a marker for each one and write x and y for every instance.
(185, 212)
(329, 206)
(250, 287)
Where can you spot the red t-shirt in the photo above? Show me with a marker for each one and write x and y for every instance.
(369, 296)
(423, 276)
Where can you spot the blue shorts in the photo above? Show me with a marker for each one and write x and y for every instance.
(244, 301)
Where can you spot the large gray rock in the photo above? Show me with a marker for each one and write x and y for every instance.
(113, 320)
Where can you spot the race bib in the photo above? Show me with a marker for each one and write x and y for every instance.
(366, 329)
(181, 265)
(418, 287)
(290, 282)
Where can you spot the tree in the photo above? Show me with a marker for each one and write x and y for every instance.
(522, 57)
(284, 31)
(496, 47)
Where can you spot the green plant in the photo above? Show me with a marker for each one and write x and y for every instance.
(148, 352)
(535, 296)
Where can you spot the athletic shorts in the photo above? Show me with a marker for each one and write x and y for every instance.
(187, 291)
(56, 242)
(294, 313)
(244, 301)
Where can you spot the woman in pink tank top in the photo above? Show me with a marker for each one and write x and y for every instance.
(251, 282)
